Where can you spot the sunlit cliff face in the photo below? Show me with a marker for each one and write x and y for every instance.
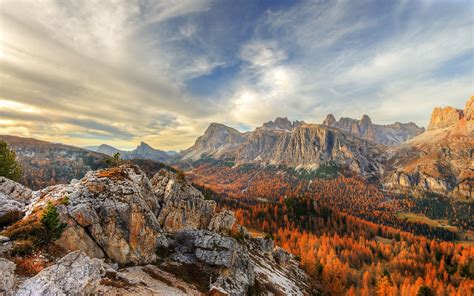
(120, 72)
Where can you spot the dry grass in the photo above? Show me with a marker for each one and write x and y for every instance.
(255, 233)
(412, 217)
(29, 266)
(383, 240)
(112, 173)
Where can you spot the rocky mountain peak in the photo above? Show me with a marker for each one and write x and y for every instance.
(444, 117)
(329, 120)
(143, 151)
(214, 126)
(281, 124)
(365, 121)
(385, 134)
(216, 138)
(144, 145)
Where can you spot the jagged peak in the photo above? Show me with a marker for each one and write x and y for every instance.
(366, 118)
(281, 123)
(143, 146)
(329, 120)
(106, 146)
(214, 126)
(443, 117)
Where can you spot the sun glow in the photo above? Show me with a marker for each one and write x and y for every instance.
(12, 105)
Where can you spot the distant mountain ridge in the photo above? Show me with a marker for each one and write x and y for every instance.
(402, 156)
(293, 144)
(351, 143)
(143, 151)
(45, 163)
(390, 134)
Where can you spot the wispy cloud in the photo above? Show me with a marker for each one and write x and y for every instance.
(84, 72)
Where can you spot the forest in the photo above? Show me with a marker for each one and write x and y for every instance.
(345, 232)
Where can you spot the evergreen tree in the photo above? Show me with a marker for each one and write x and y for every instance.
(52, 223)
(9, 168)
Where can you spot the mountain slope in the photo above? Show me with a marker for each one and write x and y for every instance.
(390, 134)
(441, 159)
(45, 163)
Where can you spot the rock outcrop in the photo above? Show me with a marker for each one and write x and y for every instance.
(74, 274)
(77, 274)
(390, 134)
(182, 205)
(109, 212)
(5, 246)
(239, 266)
(121, 216)
(469, 109)
(13, 199)
(15, 190)
(444, 117)
(281, 124)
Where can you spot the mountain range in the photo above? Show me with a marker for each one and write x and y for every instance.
(400, 155)
(143, 151)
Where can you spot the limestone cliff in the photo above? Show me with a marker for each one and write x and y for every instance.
(444, 117)
(291, 144)
(390, 134)
(441, 159)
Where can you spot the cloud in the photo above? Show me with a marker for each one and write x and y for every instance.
(86, 72)
(352, 58)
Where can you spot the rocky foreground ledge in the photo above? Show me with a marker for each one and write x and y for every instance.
(121, 233)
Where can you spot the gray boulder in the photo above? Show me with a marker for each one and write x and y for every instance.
(7, 277)
(74, 274)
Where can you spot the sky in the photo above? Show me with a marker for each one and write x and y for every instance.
(124, 71)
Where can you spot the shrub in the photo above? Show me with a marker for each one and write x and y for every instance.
(52, 223)
(114, 161)
(65, 200)
(181, 176)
